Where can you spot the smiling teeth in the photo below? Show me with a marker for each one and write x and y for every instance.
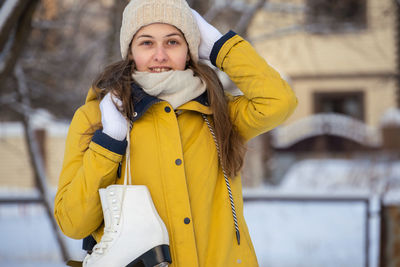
(160, 69)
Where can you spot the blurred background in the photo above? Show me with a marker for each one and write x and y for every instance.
(323, 189)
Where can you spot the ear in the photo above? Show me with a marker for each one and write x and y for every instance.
(130, 55)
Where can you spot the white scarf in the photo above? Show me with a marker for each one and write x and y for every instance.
(175, 86)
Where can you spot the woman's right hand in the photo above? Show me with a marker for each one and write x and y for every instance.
(114, 124)
(209, 35)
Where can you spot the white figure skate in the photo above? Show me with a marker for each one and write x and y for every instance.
(134, 234)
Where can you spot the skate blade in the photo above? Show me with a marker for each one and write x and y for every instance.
(74, 263)
(158, 256)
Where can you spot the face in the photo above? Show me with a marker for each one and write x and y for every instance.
(159, 47)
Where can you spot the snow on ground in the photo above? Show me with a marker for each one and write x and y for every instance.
(307, 234)
(285, 233)
(28, 240)
(289, 232)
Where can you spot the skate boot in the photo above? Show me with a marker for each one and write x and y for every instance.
(134, 234)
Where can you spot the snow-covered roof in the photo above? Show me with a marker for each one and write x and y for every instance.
(41, 119)
(326, 124)
(391, 117)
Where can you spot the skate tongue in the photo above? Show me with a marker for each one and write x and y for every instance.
(107, 218)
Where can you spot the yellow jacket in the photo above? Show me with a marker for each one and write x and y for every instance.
(176, 158)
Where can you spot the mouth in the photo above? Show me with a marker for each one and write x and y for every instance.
(159, 69)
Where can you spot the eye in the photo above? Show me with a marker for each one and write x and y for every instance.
(146, 43)
(173, 42)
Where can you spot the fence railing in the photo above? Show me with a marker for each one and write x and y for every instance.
(371, 215)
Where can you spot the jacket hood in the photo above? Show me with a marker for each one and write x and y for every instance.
(91, 95)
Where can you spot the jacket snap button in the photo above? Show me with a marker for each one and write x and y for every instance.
(186, 220)
(178, 162)
(134, 114)
(167, 109)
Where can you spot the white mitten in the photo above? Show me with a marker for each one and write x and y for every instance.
(209, 35)
(114, 124)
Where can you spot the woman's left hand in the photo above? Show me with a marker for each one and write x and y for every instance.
(114, 124)
(209, 35)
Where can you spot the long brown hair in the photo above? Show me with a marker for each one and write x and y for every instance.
(118, 79)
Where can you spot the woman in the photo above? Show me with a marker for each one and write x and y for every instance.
(169, 97)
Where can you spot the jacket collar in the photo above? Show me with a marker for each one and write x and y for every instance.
(143, 101)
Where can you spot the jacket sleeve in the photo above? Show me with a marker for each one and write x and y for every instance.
(267, 101)
(90, 163)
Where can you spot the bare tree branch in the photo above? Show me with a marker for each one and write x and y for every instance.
(74, 19)
(5, 54)
(213, 12)
(247, 17)
(8, 98)
(112, 44)
(10, 13)
(21, 34)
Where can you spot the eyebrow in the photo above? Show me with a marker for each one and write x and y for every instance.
(144, 36)
(173, 34)
(169, 35)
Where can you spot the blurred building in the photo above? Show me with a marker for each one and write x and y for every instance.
(339, 55)
(340, 59)
(15, 166)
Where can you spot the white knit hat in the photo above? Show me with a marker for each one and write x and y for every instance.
(139, 13)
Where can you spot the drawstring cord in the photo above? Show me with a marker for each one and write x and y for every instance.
(226, 179)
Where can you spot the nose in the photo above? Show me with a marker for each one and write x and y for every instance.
(160, 54)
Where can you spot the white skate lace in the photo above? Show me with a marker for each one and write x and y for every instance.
(102, 246)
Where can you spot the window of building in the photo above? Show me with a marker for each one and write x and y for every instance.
(324, 16)
(347, 103)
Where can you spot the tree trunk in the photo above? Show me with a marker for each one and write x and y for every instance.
(397, 4)
(15, 27)
(36, 158)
